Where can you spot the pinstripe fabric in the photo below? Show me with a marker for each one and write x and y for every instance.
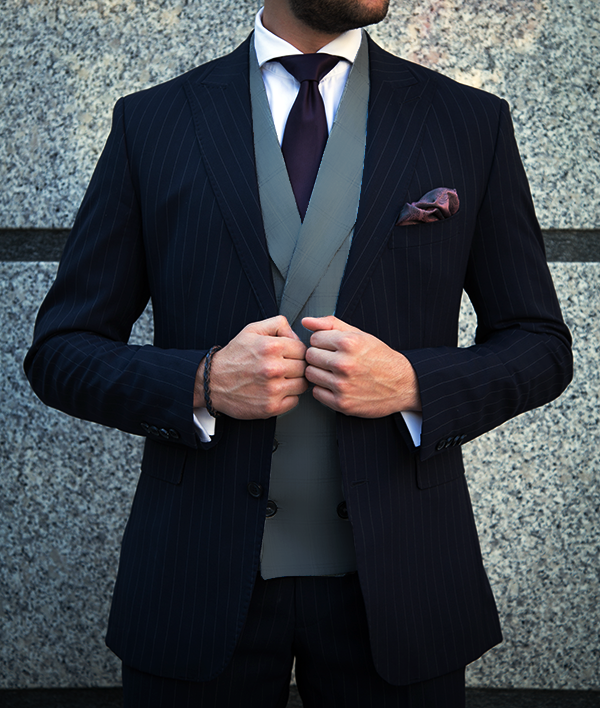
(172, 214)
(322, 622)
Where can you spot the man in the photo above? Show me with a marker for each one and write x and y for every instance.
(333, 525)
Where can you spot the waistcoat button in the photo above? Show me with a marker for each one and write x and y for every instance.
(275, 444)
(342, 510)
(271, 509)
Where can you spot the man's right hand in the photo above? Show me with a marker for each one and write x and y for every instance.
(259, 374)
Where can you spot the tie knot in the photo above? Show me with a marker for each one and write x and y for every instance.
(308, 67)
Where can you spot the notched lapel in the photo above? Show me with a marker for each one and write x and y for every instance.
(220, 103)
(398, 107)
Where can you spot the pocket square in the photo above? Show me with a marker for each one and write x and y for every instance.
(436, 205)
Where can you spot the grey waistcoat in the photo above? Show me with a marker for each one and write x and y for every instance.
(308, 534)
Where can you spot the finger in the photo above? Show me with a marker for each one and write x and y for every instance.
(329, 340)
(296, 387)
(292, 349)
(291, 387)
(326, 397)
(320, 377)
(273, 327)
(288, 404)
(294, 369)
(316, 324)
(322, 357)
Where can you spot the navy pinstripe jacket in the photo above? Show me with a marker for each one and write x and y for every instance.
(172, 214)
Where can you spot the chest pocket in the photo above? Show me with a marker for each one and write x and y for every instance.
(416, 235)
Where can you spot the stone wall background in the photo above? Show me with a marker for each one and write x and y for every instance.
(66, 485)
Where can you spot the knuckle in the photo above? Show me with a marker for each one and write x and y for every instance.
(271, 410)
(270, 370)
(270, 346)
(345, 367)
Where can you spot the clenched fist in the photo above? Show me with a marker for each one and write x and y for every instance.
(357, 374)
(259, 374)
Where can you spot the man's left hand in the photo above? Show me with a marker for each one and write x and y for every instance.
(357, 374)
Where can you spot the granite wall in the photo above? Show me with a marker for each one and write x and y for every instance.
(66, 485)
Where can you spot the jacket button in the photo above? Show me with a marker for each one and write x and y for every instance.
(275, 444)
(164, 433)
(342, 510)
(441, 445)
(145, 427)
(271, 509)
(255, 490)
(154, 431)
(173, 434)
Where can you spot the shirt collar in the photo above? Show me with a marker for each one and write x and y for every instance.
(269, 46)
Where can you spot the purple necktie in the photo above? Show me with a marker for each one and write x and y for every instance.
(306, 128)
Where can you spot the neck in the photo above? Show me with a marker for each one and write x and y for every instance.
(279, 19)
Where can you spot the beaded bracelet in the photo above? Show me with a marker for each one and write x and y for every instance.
(207, 365)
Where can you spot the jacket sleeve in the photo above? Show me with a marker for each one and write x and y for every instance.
(80, 361)
(521, 358)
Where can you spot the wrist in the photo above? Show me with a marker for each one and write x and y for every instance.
(206, 390)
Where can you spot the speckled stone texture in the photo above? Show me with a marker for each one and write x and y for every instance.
(65, 490)
(535, 485)
(66, 487)
(64, 63)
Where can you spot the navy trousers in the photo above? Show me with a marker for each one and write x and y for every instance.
(320, 621)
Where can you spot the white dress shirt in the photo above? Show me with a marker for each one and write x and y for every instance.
(282, 89)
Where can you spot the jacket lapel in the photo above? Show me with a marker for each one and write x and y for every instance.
(398, 107)
(220, 103)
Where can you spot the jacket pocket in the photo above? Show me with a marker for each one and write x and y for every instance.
(440, 469)
(164, 461)
(415, 235)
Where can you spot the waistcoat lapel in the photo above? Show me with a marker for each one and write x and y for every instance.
(304, 251)
(280, 213)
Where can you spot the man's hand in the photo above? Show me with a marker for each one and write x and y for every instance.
(357, 374)
(259, 374)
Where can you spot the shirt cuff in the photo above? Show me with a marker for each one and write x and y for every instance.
(204, 423)
(414, 423)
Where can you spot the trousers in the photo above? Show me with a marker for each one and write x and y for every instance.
(321, 623)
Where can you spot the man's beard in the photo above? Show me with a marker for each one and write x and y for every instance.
(337, 16)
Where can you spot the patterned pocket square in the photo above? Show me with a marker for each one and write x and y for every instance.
(436, 205)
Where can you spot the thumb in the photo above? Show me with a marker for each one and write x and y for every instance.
(273, 327)
(318, 324)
